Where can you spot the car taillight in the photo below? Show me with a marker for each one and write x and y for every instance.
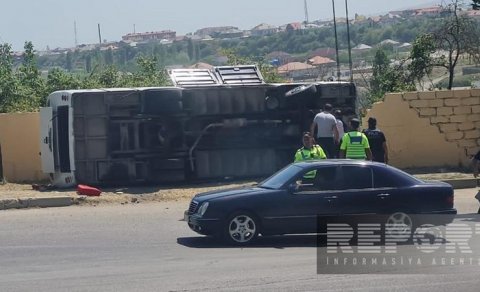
(450, 200)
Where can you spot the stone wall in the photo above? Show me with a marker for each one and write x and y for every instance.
(456, 113)
(446, 123)
(20, 146)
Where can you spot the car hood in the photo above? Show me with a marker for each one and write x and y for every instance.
(229, 192)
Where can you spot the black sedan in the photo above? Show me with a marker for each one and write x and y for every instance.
(289, 203)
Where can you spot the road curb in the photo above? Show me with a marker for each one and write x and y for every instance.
(464, 183)
(42, 202)
(64, 201)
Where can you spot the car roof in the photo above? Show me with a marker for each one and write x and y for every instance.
(331, 162)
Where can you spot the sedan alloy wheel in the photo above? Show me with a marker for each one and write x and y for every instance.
(399, 225)
(242, 229)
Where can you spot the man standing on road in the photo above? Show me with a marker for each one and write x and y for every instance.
(355, 144)
(476, 164)
(327, 133)
(341, 131)
(377, 141)
(476, 168)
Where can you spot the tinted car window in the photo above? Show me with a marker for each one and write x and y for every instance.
(277, 180)
(384, 179)
(325, 179)
(356, 177)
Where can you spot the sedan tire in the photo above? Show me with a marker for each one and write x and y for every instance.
(241, 228)
(399, 225)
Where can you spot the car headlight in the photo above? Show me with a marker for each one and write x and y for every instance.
(202, 209)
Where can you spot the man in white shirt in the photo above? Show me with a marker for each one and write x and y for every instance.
(340, 129)
(327, 133)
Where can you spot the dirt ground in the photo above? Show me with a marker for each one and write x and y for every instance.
(145, 194)
(122, 195)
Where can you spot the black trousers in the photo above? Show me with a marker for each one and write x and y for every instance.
(328, 145)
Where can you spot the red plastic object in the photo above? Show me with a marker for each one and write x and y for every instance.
(85, 190)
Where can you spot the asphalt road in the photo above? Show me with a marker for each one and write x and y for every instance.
(146, 247)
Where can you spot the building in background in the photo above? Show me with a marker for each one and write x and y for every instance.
(150, 36)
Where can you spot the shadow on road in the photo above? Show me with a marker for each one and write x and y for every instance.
(280, 242)
(304, 240)
(471, 217)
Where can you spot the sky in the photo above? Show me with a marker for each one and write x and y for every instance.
(51, 22)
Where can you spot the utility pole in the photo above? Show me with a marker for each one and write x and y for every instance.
(306, 11)
(349, 46)
(99, 34)
(75, 32)
(336, 41)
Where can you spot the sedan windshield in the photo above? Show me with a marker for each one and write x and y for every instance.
(277, 180)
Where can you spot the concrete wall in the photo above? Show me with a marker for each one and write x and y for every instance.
(20, 146)
(430, 129)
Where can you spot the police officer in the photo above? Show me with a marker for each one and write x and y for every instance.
(309, 150)
(355, 144)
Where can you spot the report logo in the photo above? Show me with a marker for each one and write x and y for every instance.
(380, 246)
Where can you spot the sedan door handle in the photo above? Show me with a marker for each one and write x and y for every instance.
(383, 196)
(331, 198)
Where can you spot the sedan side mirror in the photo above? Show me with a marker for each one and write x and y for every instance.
(293, 187)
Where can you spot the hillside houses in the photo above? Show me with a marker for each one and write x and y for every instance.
(149, 36)
(296, 54)
(297, 71)
(264, 30)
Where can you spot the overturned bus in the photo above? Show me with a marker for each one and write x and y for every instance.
(212, 124)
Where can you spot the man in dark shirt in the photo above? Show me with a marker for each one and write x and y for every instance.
(476, 164)
(476, 167)
(377, 141)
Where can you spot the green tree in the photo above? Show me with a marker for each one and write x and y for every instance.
(108, 56)
(421, 64)
(31, 89)
(58, 79)
(69, 61)
(88, 63)
(476, 4)
(149, 74)
(197, 52)
(386, 78)
(8, 82)
(191, 49)
(457, 35)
